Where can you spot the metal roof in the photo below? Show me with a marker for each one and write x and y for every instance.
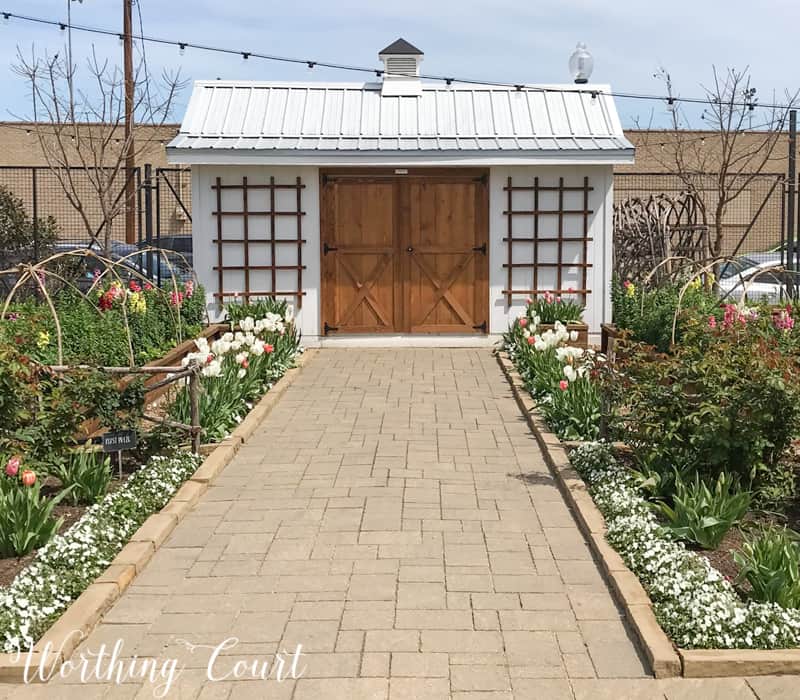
(322, 122)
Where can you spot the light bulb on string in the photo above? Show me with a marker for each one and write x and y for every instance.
(310, 66)
(245, 56)
(6, 18)
(182, 49)
(121, 40)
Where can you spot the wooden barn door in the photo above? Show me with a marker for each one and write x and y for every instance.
(445, 236)
(405, 254)
(359, 281)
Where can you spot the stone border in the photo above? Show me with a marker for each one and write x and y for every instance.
(665, 659)
(83, 614)
(657, 647)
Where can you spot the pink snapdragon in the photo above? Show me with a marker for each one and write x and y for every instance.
(712, 322)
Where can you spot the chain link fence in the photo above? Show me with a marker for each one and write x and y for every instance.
(753, 223)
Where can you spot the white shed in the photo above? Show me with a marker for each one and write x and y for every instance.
(402, 207)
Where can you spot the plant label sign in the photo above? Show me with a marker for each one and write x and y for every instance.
(119, 440)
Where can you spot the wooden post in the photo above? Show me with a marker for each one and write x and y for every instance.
(194, 410)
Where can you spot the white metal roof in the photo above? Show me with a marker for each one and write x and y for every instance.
(321, 123)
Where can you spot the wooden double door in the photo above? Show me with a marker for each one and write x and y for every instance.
(405, 253)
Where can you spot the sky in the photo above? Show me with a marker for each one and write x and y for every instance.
(502, 40)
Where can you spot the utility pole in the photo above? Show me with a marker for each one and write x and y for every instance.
(791, 244)
(130, 159)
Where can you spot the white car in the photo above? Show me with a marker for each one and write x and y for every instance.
(760, 281)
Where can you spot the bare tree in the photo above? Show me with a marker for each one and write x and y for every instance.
(721, 163)
(86, 153)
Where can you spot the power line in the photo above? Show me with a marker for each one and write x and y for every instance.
(312, 63)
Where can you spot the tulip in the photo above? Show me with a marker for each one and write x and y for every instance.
(531, 340)
(563, 385)
(12, 466)
(268, 348)
(523, 322)
(28, 478)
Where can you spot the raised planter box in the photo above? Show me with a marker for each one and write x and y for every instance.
(665, 658)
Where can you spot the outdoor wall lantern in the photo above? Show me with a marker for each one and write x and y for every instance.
(581, 64)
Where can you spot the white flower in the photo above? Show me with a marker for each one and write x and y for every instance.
(212, 369)
(248, 324)
(573, 336)
(241, 373)
(569, 373)
(288, 317)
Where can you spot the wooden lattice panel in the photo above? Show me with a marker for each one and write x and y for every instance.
(259, 240)
(550, 222)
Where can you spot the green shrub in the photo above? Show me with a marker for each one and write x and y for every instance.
(650, 313)
(770, 562)
(17, 229)
(724, 400)
(702, 515)
(87, 475)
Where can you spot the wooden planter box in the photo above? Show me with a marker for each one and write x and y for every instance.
(609, 333)
(580, 327)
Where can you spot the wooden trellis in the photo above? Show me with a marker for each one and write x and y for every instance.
(259, 235)
(565, 233)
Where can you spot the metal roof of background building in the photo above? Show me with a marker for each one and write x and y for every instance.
(459, 122)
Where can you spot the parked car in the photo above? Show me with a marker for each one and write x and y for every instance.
(135, 263)
(178, 244)
(759, 281)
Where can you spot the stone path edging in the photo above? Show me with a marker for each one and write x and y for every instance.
(657, 647)
(665, 659)
(85, 612)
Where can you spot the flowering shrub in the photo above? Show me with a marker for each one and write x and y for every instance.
(68, 563)
(93, 329)
(648, 313)
(236, 369)
(726, 399)
(40, 411)
(695, 605)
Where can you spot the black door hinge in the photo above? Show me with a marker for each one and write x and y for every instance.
(327, 249)
(481, 328)
(480, 249)
(328, 328)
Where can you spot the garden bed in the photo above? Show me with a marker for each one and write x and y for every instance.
(666, 659)
(108, 574)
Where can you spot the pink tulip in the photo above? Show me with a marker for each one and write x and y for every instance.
(12, 466)
(28, 478)
(531, 340)
(523, 322)
(563, 385)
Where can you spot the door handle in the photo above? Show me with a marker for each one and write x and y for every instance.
(409, 250)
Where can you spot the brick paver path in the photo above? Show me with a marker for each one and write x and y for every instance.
(395, 517)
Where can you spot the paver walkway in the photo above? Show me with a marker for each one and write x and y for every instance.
(395, 517)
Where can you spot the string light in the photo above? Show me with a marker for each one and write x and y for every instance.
(121, 39)
(6, 18)
(245, 55)
(749, 103)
